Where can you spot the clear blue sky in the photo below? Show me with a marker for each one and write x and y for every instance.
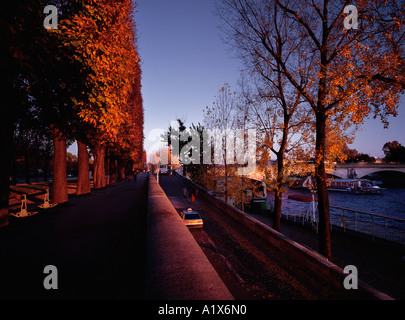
(185, 62)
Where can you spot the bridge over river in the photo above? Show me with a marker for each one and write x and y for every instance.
(360, 170)
(387, 171)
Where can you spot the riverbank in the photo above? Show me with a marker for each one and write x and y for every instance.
(382, 265)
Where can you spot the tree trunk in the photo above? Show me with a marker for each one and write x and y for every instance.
(121, 170)
(321, 184)
(107, 164)
(280, 174)
(279, 185)
(47, 160)
(27, 165)
(278, 192)
(59, 180)
(13, 169)
(99, 169)
(277, 211)
(113, 170)
(107, 179)
(83, 179)
(6, 134)
(226, 181)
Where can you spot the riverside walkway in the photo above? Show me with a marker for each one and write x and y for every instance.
(96, 242)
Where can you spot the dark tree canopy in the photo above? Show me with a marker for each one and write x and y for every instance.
(394, 152)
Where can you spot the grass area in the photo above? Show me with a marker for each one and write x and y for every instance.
(37, 190)
(28, 189)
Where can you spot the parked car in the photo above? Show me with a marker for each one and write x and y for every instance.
(191, 218)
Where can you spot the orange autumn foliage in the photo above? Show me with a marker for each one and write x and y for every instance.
(103, 34)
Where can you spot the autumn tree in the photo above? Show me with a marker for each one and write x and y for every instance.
(220, 118)
(83, 179)
(127, 149)
(25, 141)
(29, 81)
(62, 81)
(352, 155)
(74, 79)
(176, 139)
(281, 116)
(59, 81)
(103, 37)
(197, 169)
(339, 70)
(225, 147)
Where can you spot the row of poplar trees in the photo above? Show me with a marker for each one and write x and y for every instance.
(79, 81)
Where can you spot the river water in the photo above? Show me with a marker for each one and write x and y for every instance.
(390, 202)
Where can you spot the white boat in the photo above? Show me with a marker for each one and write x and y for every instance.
(357, 186)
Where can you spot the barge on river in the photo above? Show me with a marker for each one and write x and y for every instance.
(356, 186)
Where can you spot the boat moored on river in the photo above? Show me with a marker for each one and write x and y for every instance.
(356, 186)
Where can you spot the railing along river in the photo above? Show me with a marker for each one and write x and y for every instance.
(373, 224)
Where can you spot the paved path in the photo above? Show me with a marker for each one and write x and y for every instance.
(96, 242)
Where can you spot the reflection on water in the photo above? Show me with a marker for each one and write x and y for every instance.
(390, 202)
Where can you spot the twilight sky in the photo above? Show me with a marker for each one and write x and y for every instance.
(185, 62)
